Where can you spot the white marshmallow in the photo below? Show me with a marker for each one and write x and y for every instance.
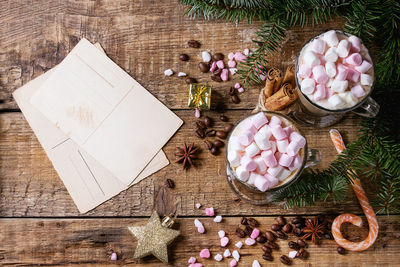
(206, 56)
(262, 141)
(252, 150)
(242, 174)
(336, 101)
(252, 177)
(221, 233)
(366, 79)
(236, 255)
(275, 171)
(343, 48)
(257, 264)
(227, 253)
(331, 55)
(168, 72)
(307, 86)
(292, 254)
(181, 74)
(339, 86)
(283, 174)
(282, 145)
(234, 158)
(266, 130)
(311, 59)
(234, 144)
(349, 98)
(261, 167)
(331, 38)
(330, 69)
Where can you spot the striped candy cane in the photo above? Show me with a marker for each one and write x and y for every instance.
(351, 218)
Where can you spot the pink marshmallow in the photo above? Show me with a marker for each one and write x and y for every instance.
(354, 59)
(192, 260)
(278, 132)
(246, 138)
(320, 92)
(353, 75)
(288, 130)
(213, 66)
(209, 211)
(358, 91)
(272, 180)
(285, 160)
(275, 171)
(249, 241)
(364, 67)
(282, 145)
(220, 64)
(304, 71)
(231, 56)
(231, 63)
(342, 72)
(274, 121)
(240, 90)
(201, 229)
(260, 182)
(233, 263)
(114, 256)
(355, 43)
(318, 46)
(247, 125)
(319, 74)
(237, 85)
(255, 233)
(224, 241)
(296, 163)
(261, 167)
(296, 136)
(248, 163)
(269, 158)
(224, 75)
(259, 120)
(205, 254)
(240, 57)
(294, 147)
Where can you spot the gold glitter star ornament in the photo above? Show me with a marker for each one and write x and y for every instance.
(154, 237)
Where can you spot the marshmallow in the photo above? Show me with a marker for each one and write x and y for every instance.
(224, 241)
(296, 163)
(221, 233)
(206, 56)
(198, 205)
(236, 255)
(339, 86)
(311, 59)
(330, 69)
(329, 83)
(261, 167)
(220, 64)
(205, 253)
(233, 263)
(227, 253)
(209, 211)
(218, 257)
(249, 241)
(353, 75)
(248, 163)
(213, 66)
(336, 101)
(285, 173)
(342, 72)
(201, 229)
(319, 74)
(272, 180)
(294, 147)
(329, 92)
(318, 46)
(320, 92)
(246, 138)
(355, 43)
(366, 79)
(234, 144)
(233, 71)
(259, 120)
(269, 158)
(231, 63)
(343, 48)
(278, 132)
(242, 174)
(252, 177)
(192, 260)
(218, 219)
(168, 72)
(252, 150)
(274, 121)
(257, 264)
(240, 57)
(247, 125)
(182, 74)
(349, 98)
(364, 67)
(275, 171)
(197, 223)
(307, 86)
(354, 59)
(295, 136)
(331, 38)
(240, 90)
(255, 233)
(224, 75)
(288, 130)
(246, 51)
(231, 56)
(358, 91)
(234, 158)
(237, 85)
(239, 244)
(292, 254)
(285, 160)
(304, 71)
(262, 140)
(282, 145)
(261, 183)
(331, 55)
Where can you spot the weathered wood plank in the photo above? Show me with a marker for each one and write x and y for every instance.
(30, 186)
(89, 242)
(143, 37)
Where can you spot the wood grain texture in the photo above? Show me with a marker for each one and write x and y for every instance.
(31, 187)
(89, 242)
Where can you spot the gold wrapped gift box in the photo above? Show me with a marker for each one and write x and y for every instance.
(199, 96)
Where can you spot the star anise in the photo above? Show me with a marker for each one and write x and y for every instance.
(313, 229)
(186, 155)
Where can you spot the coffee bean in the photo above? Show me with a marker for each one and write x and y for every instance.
(184, 57)
(218, 143)
(243, 221)
(211, 132)
(270, 236)
(261, 239)
(201, 125)
(281, 235)
(217, 72)
(299, 225)
(208, 121)
(204, 67)
(266, 249)
(287, 228)
(297, 220)
(293, 245)
(240, 232)
(170, 183)
(302, 254)
(223, 118)
(200, 133)
(235, 99)
(232, 91)
(267, 257)
(221, 134)
(190, 80)
(228, 127)
(301, 243)
(193, 44)
(285, 260)
(248, 230)
(341, 250)
(252, 222)
(271, 245)
(208, 144)
(280, 220)
(328, 236)
(297, 232)
(276, 227)
(218, 56)
(216, 78)
(214, 150)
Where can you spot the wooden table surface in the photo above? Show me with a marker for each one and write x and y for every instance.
(40, 224)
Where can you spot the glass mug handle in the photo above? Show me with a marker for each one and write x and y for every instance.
(313, 157)
(368, 109)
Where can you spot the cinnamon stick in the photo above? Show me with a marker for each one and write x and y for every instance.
(285, 96)
(272, 81)
(289, 76)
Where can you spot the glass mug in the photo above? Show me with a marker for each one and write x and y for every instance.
(309, 112)
(250, 193)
